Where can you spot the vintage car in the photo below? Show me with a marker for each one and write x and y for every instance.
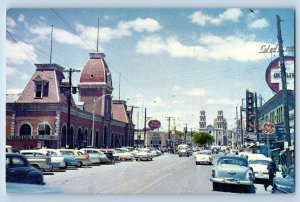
(69, 158)
(259, 166)
(183, 150)
(144, 154)
(93, 153)
(124, 155)
(203, 157)
(110, 151)
(232, 170)
(286, 184)
(19, 170)
(57, 160)
(80, 157)
(38, 159)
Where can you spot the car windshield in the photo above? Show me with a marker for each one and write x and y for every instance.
(66, 153)
(261, 162)
(233, 161)
(204, 152)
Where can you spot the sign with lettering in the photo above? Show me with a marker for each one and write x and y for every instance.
(273, 74)
(268, 128)
(154, 124)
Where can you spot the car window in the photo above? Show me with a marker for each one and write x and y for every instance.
(261, 162)
(233, 162)
(53, 153)
(17, 162)
(39, 155)
(28, 154)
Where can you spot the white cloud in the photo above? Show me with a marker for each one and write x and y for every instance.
(15, 53)
(230, 14)
(176, 88)
(89, 34)
(196, 92)
(238, 48)
(14, 91)
(21, 18)
(258, 24)
(10, 22)
(222, 101)
(140, 25)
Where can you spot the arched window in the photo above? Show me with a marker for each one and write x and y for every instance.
(44, 129)
(25, 129)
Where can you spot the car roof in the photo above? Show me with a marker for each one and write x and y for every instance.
(233, 157)
(14, 154)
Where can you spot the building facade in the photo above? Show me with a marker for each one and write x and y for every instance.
(218, 130)
(39, 115)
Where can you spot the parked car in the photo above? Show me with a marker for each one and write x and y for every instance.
(232, 170)
(286, 184)
(143, 154)
(19, 170)
(80, 157)
(57, 159)
(95, 155)
(38, 159)
(111, 151)
(259, 166)
(69, 158)
(214, 150)
(124, 155)
(203, 156)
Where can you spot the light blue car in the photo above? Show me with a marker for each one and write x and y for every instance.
(286, 184)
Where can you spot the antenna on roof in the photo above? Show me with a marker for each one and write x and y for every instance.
(98, 36)
(51, 43)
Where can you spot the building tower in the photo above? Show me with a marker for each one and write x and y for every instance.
(95, 91)
(220, 129)
(202, 122)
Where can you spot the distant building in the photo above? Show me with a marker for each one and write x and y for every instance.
(39, 115)
(218, 130)
(156, 139)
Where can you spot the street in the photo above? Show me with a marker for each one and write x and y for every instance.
(166, 174)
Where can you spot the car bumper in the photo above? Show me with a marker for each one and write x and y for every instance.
(231, 181)
(261, 176)
(203, 161)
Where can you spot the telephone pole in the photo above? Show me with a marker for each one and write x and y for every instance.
(169, 135)
(284, 87)
(70, 71)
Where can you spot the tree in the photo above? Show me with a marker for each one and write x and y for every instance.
(178, 133)
(202, 138)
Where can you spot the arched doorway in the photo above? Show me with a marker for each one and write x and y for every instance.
(25, 129)
(63, 136)
(80, 138)
(85, 137)
(112, 140)
(97, 139)
(105, 136)
(90, 139)
(71, 138)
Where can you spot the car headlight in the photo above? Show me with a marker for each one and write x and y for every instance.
(250, 175)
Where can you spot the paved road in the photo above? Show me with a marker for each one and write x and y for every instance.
(167, 174)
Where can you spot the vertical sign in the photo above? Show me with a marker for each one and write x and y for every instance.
(249, 112)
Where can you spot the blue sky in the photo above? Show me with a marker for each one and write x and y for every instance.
(175, 62)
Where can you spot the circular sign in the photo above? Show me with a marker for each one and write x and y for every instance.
(268, 128)
(273, 74)
(154, 124)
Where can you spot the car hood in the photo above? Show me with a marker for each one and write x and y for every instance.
(286, 185)
(231, 171)
(259, 168)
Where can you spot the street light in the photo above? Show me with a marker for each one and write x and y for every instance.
(93, 130)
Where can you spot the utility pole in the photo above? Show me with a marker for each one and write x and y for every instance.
(169, 135)
(51, 43)
(284, 87)
(145, 120)
(70, 71)
(185, 131)
(237, 125)
(242, 133)
(131, 122)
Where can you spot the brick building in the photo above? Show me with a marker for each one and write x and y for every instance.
(39, 115)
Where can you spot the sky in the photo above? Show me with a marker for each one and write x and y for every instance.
(174, 62)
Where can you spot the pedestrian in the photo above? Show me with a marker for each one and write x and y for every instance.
(272, 172)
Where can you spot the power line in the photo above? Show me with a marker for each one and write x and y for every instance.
(263, 23)
(60, 17)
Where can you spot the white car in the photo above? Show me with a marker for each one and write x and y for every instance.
(143, 154)
(203, 156)
(259, 167)
(57, 159)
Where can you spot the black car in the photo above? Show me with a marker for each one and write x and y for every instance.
(19, 170)
(110, 157)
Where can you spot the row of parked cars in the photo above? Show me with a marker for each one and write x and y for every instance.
(27, 166)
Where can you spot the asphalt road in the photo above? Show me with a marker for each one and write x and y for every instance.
(166, 174)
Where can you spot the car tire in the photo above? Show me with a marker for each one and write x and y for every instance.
(79, 164)
(48, 169)
(215, 186)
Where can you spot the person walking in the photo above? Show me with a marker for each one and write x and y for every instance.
(272, 172)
